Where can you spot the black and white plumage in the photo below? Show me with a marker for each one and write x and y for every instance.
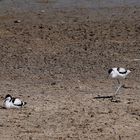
(11, 102)
(118, 73)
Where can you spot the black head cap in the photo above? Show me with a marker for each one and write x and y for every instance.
(110, 70)
(8, 95)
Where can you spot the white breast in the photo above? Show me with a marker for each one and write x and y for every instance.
(114, 74)
(7, 104)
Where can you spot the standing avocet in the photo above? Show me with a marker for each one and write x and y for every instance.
(118, 73)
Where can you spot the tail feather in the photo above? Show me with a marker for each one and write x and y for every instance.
(24, 103)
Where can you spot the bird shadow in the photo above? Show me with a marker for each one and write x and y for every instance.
(111, 98)
(103, 97)
(126, 87)
(1, 107)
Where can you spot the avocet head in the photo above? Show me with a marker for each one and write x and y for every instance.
(8, 97)
(109, 71)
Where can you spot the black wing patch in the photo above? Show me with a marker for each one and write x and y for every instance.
(124, 72)
(13, 100)
(20, 104)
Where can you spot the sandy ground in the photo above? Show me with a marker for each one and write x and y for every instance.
(57, 61)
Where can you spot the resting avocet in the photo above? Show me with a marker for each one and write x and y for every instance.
(118, 73)
(11, 102)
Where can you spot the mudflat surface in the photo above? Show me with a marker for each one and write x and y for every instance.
(55, 55)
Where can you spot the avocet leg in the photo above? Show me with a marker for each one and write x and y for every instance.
(118, 81)
(118, 89)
